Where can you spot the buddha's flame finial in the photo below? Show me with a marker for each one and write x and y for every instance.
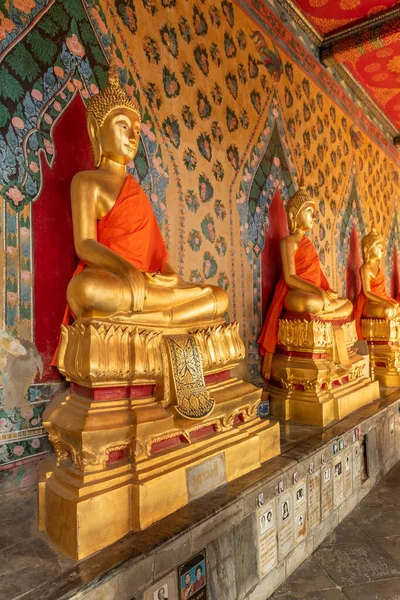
(297, 202)
(112, 96)
(369, 240)
(113, 77)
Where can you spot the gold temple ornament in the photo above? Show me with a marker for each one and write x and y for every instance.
(149, 358)
(377, 315)
(313, 374)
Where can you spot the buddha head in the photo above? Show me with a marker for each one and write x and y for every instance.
(300, 209)
(372, 246)
(113, 121)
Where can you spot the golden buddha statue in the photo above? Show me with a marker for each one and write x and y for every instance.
(303, 290)
(373, 301)
(149, 358)
(377, 315)
(123, 259)
(314, 375)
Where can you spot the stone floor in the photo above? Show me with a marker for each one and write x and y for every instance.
(360, 560)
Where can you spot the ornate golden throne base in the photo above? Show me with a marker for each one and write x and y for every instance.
(383, 339)
(128, 451)
(315, 376)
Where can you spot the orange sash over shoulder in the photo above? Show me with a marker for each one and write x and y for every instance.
(307, 267)
(378, 287)
(131, 230)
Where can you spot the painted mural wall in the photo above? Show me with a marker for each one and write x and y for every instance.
(234, 108)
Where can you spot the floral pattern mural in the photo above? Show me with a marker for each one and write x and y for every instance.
(234, 108)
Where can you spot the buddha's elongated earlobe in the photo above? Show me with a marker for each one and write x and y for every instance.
(94, 137)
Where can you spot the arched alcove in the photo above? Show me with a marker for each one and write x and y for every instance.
(53, 246)
(353, 282)
(271, 263)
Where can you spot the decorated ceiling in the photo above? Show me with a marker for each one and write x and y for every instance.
(360, 40)
(373, 60)
(328, 17)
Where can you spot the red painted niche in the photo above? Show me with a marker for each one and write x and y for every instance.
(53, 247)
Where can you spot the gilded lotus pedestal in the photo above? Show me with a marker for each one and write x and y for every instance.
(316, 376)
(383, 339)
(145, 408)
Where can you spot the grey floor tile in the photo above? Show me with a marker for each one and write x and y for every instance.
(345, 533)
(357, 563)
(389, 493)
(309, 577)
(376, 518)
(20, 582)
(372, 500)
(22, 556)
(392, 478)
(391, 545)
(377, 590)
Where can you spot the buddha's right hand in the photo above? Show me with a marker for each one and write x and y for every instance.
(137, 285)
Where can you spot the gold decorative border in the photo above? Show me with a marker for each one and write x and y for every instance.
(299, 17)
(381, 329)
(328, 60)
(371, 22)
(325, 44)
(321, 40)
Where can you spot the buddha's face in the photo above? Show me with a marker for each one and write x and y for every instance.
(306, 217)
(376, 251)
(119, 135)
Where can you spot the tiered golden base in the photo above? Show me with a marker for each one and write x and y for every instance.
(315, 376)
(383, 339)
(125, 462)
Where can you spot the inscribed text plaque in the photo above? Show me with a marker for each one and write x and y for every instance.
(348, 474)
(268, 549)
(326, 491)
(314, 499)
(206, 476)
(300, 511)
(338, 467)
(285, 524)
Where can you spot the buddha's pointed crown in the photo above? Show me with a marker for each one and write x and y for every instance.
(370, 239)
(111, 97)
(299, 199)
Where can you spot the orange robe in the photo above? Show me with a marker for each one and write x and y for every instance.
(378, 287)
(308, 267)
(131, 230)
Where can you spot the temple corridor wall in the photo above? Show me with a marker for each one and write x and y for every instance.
(234, 107)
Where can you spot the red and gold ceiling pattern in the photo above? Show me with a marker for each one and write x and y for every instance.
(374, 61)
(328, 16)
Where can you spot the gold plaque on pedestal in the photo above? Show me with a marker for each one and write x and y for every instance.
(186, 366)
(316, 377)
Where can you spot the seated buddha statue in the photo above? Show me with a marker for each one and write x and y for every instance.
(373, 301)
(303, 290)
(123, 270)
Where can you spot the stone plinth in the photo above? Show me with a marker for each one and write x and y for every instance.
(383, 339)
(146, 410)
(316, 377)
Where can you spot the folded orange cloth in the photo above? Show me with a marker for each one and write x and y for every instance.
(131, 230)
(308, 267)
(378, 287)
